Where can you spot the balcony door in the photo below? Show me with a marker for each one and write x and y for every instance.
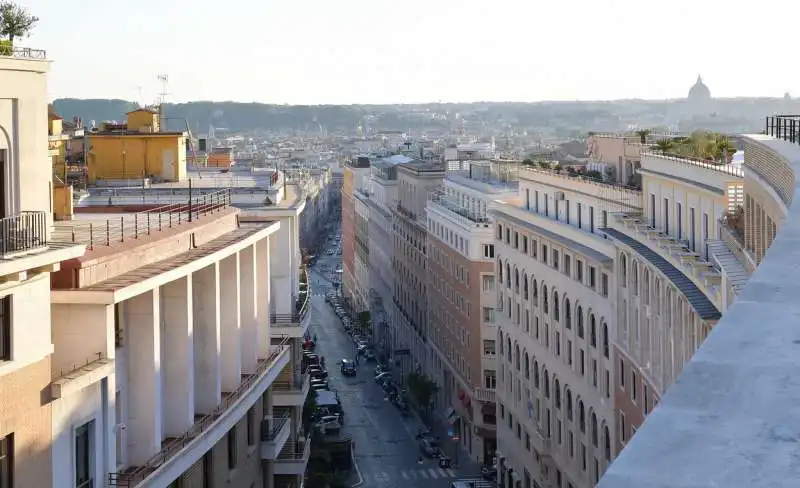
(3, 172)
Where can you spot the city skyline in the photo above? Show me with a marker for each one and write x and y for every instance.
(367, 52)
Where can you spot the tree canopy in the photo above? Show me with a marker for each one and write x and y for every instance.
(15, 20)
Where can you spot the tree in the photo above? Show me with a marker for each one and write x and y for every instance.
(643, 135)
(15, 20)
(422, 389)
(364, 320)
(664, 146)
(309, 409)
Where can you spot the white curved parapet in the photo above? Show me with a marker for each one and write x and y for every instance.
(731, 418)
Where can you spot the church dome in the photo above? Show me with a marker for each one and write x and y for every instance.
(699, 91)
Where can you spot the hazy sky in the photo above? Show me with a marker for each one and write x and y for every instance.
(381, 51)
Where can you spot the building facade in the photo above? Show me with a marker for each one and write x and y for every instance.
(462, 300)
(354, 174)
(415, 180)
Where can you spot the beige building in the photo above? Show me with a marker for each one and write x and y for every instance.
(409, 329)
(606, 293)
(462, 299)
(29, 255)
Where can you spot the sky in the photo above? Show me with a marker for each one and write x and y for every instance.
(409, 51)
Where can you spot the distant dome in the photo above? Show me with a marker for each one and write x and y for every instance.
(699, 91)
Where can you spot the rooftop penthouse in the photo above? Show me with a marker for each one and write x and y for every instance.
(728, 421)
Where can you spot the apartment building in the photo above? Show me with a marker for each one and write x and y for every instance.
(462, 298)
(356, 174)
(622, 285)
(382, 200)
(29, 419)
(415, 180)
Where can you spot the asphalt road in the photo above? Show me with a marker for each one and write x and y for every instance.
(387, 452)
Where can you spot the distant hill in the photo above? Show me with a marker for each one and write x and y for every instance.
(561, 119)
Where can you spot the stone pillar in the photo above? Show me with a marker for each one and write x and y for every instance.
(205, 306)
(230, 323)
(282, 286)
(177, 331)
(145, 429)
(263, 304)
(248, 288)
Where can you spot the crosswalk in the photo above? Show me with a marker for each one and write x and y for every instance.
(413, 475)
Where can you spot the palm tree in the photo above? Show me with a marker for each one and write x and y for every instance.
(643, 135)
(15, 20)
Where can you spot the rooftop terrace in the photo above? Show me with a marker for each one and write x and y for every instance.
(730, 420)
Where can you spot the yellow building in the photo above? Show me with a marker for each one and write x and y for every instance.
(57, 143)
(135, 150)
(220, 157)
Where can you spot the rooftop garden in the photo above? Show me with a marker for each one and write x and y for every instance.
(709, 147)
(15, 22)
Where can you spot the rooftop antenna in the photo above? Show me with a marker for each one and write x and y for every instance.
(140, 101)
(162, 98)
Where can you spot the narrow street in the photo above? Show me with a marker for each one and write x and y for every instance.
(386, 449)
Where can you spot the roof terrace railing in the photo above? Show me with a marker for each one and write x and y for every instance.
(24, 232)
(11, 51)
(786, 127)
(303, 306)
(169, 450)
(702, 163)
(132, 226)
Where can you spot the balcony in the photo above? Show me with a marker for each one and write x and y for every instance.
(293, 458)
(464, 216)
(275, 432)
(22, 234)
(295, 324)
(177, 455)
(485, 395)
(287, 393)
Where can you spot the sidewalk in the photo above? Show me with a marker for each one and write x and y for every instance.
(465, 463)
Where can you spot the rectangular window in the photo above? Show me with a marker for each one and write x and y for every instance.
(579, 270)
(527, 199)
(7, 461)
(488, 251)
(705, 233)
(118, 340)
(621, 374)
(592, 277)
(251, 426)
(536, 201)
(544, 254)
(605, 218)
(488, 283)
(524, 244)
(666, 216)
(645, 407)
(555, 258)
(679, 217)
(546, 206)
(633, 386)
(604, 285)
(5, 328)
(208, 469)
(591, 219)
(231, 442)
(692, 233)
(84, 456)
(567, 265)
(653, 210)
(580, 216)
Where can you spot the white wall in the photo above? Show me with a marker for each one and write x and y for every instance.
(70, 413)
(30, 322)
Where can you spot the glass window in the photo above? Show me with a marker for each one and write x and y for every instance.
(84, 456)
(7, 461)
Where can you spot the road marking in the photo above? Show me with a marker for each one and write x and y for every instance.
(451, 473)
(423, 473)
(443, 473)
(405, 475)
(355, 465)
(433, 474)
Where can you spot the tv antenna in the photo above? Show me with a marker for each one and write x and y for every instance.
(162, 97)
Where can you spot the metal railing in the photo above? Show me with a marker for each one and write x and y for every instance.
(786, 127)
(7, 50)
(272, 425)
(292, 385)
(170, 449)
(132, 226)
(295, 451)
(725, 168)
(303, 306)
(24, 232)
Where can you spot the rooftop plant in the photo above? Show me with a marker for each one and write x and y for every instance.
(708, 146)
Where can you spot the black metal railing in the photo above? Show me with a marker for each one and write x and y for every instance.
(132, 226)
(136, 475)
(9, 50)
(786, 127)
(301, 307)
(271, 426)
(24, 232)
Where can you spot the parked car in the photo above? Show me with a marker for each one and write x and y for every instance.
(383, 377)
(328, 423)
(429, 445)
(319, 384)
(369, 355)
(318, 373)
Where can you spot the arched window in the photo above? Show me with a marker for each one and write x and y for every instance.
(526, 365)
(557, 393)
(536, 374)
(567, 313)
(555, 306)
(635, 272)
(623, 270)
(544, 298)
(508, 349)
(535, 293)
(582, 416)
(516, 356)
(524, 286)
(607, 441)
(592, 330)
(508, 276)
(569, 404)
(594, 430)
(500, 269)
(579, 319)
(605, 340)
(546, 380)
(500, 341)
(516, 280)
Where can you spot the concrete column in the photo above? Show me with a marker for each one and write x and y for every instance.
(268, 470)
(263, 295)
(281, 257)
(297, 360)
(230, 323)
(248, 287)
(177, 330)
(205, 307)
(145, 429)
